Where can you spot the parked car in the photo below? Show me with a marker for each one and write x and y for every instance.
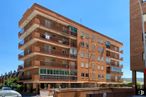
(6, 88)
(8, 92)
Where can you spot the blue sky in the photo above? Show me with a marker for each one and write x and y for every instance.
(109, 17)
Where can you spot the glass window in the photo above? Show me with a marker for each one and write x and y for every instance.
(82, 74)
(98, 67)
(82, 64)
(48, 23)
(87, 75)
(102, 67)
(98, 58)
(100, 41)
(43, 71)
(87, 65)
(82, 44)
(81, 54)
(107, 43)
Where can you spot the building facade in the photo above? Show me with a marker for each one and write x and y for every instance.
(57, 50)
(137, 37)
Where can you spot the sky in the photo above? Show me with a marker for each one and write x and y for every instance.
(109, 17)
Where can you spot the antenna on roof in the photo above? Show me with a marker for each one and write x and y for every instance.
(80, 20)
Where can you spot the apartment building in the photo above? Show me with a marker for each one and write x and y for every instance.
(137, 38)
(57, 50)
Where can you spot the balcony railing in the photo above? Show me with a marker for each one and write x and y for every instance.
(52, 52)
(21, 32)
(33, 21)
(57, 78)
(55, 40)
(59, 40)
(54, 64)
(25, 78)
(117, 65)
(22, 54)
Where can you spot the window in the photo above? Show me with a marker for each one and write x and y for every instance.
(87, 65)
(28, 73)
(72, 29)
(98, 58)
(86, 55)
(87, 45)
(107, 43)
(82, 64)
(102, 59)
(87, 36)
(102, 67)
(48, 23)
(73, 51)
(100, 41)
(93, 37)
(108, 76)
(82, 44)
(87, 75)
(100, 49)
(98, 67)
(82, 74)
(43, 71)
(108, 60)
(81, 54)
(93, 46)
(64, 51)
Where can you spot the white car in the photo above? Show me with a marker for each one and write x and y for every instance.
(6, 92)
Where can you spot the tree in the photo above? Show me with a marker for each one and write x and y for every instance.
(13, 83)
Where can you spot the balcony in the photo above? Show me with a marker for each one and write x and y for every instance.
(25, 78)
(51, 52)
(21, 55)
(116, 65)
(54, 65)
(61, 40)
(29, 28)
(57, 78)
(114, 57)
(58, 53)
(57, 41)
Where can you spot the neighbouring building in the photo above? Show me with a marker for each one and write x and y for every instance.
(59, 51)
(137, 35)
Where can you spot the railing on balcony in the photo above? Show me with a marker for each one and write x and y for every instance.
(21, 32)
(57, 77)
(21, 55)
(54, 26)
(25, 78)
(54, 64)
(27, 65)
(117, 65)
(52, 52)
(21, 43)
(55, 40)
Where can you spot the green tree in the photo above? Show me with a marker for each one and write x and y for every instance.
(13, 83)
